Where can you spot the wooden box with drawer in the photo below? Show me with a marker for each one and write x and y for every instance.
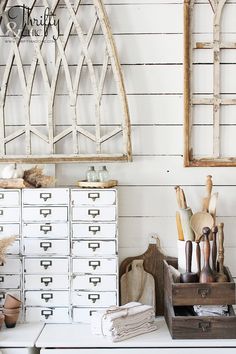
(182, 296)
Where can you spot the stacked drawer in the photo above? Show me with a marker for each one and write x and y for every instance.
(94, 251)
(46, 249)
(10, 225)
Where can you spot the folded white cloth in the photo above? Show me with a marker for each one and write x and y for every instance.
(211, 310)
(124, 322)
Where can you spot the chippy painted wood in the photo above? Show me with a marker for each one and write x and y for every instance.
(72, 133)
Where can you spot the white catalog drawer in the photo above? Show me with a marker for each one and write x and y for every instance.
(9, 229)
(94, 230)
(46, 265)
(94, 282)
(88, 197)
(45, 213)
(44, 247)
(10, 281)
(94, 213)
(9, 198)
(95, 265)
(94, 299)
(11, 266)
(3, 293)
(47, 315)
(55, 196)
(47, 298)
(14, 248)
(46, 230)
(9, 214)
(84, 315)
(45, 282)
(93, 248)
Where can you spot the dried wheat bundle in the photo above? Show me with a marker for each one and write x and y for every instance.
(4, 244)
(36, 178)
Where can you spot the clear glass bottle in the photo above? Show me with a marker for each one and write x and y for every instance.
(103, 174)
(92, 174)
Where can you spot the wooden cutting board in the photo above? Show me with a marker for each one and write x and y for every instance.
(153, 263)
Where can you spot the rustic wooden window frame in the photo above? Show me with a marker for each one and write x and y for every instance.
(111, 55)
(217, 45)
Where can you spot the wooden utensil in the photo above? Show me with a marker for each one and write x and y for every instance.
(199, 221)
(221, 276)
(188, 277)
(206, 274)
(177, 190)
(185, 217)
(212, 206)
(214, 248)
(206, 200)
(182, 199)
(179, 227)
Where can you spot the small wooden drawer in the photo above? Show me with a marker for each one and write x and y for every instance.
(45, 247)
(9, 214)
(183, 294)
(93, 248)
(46, 265)
(44, 214)
(47, 298)
(94, 282)
(3, 293)
(9, 229)
(199, 327)
(91, 230)
(93, 197)
(84, 315)
(47, 314)
(55, 196)
(9, 198)
(94, 213)
(94, 265)
(11, 266)
(8, 281)
(94, 299)
(52, 230)
(46, 282)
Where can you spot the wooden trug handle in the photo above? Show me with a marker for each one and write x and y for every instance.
(188, 255)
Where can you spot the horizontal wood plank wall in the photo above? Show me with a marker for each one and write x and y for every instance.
(149, 37)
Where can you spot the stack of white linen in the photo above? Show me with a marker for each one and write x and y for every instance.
(120, 323)
(211, 310)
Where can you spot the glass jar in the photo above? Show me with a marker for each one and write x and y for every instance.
(103, 174)
(91, 174)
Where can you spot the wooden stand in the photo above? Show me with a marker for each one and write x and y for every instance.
(108, 184)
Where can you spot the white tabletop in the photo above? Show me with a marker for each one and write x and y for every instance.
(80, 336)
(23, 335)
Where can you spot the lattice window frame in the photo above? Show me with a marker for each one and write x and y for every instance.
(111, 56)
(217, 101)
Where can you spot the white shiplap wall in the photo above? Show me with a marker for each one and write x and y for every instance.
(150, 41)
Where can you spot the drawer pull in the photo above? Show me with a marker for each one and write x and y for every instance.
(45, 196)
(47, 313)
(1, 195)
(1, 212)
(2, 296)
(1, 279)
(45, 228)
(91, 312)
(204, 292)
(47, 296)
(205, 326)
(95, 280)
(1, 228)
(94, 297)
(45, 245)
(93, 246)
(94, 229)
(45, 212)
(1, 264)
(46, 280)
(46, 264)
(94, 264)
(93, 212)
(94, 196)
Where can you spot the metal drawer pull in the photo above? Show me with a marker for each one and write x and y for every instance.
(93, 196)
(1, 195)
(45, 228)
(2, 296)
(94, 264)
(47, 313)
(45, 245)
(1, 228)
(91, 312)
(94, 297)
(94, 229)
(95, 280)
(94, 212)
(45, 196)
(46, 264)
(1, 212)
(204, 292)
(1, 279)
(205, 326)
(46, 280)
(47, 296)
(45, 212)
(93, 246)
(1, 264)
